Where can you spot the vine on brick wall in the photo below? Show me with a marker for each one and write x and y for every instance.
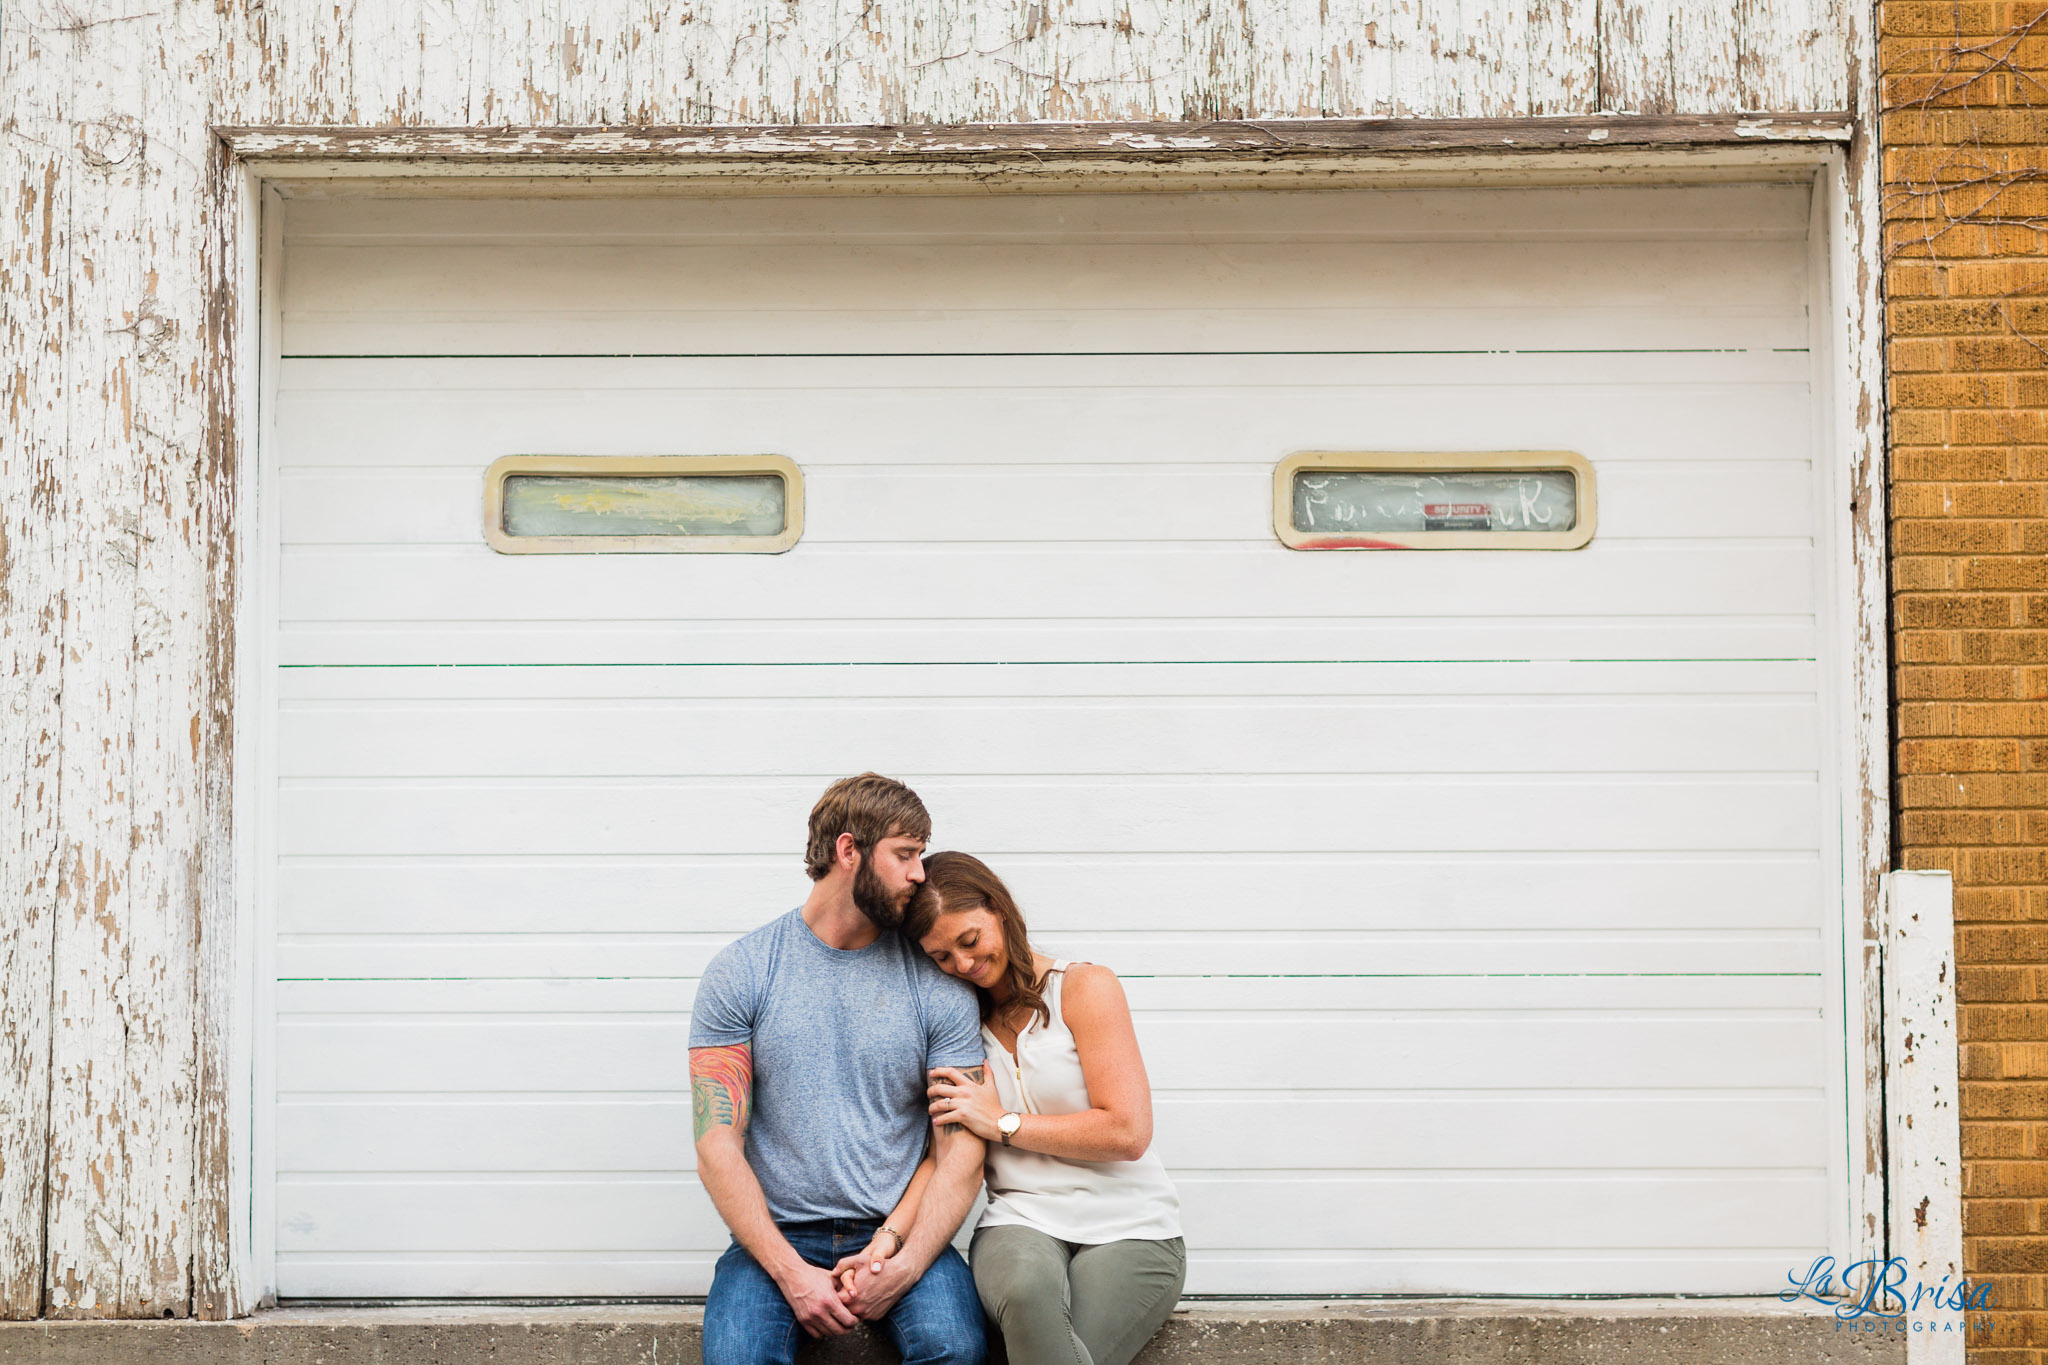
(1964, 179)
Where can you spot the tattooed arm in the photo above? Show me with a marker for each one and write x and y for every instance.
(956, 1154)
(721, 1094)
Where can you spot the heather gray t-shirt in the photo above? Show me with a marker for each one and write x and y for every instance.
(841, 1043)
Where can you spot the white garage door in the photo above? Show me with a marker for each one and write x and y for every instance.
(1478, 909)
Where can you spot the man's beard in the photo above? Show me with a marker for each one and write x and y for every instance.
(873, 898)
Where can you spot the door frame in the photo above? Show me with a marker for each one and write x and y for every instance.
(1833, 152)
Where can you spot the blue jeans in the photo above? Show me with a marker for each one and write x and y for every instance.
(748, 1322)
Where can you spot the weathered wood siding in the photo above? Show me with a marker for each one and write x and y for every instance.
(117, 468)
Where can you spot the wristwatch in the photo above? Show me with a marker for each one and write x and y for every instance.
(1007, 1126)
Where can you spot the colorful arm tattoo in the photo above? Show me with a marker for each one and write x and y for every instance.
(721, 1086)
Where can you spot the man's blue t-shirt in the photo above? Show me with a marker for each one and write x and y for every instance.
(841, 1042)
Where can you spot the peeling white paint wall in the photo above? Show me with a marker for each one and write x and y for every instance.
(117, 472)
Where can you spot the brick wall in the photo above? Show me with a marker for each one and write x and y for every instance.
(1964, 137)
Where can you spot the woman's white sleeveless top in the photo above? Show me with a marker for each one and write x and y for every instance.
(1076, 1201)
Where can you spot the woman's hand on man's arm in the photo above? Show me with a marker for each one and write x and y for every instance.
(1116, 1126)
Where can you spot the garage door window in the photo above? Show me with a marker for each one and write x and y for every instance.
(1497, 500)
(691, 504)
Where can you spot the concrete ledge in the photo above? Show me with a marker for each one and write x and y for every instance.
(1370, 1332)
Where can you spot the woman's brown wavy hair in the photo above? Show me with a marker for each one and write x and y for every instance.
(960, 881)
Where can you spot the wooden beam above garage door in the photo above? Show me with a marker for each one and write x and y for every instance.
(1025, 144)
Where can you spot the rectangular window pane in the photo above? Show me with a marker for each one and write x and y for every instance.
(1397, 500)
(644, 505)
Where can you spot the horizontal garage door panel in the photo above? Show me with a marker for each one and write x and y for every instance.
(1477, 910)
(1684, 678)
(1710, 1130)
(1760, 211)
(840, 414)
(1156, 944)
(613, 1274)
(1295, 1213)
(822, 640)
(1308, 814)
(726, 894)
(1418, 973)
(1764, 578)
(1137, 736)
(1265, 1051)
(1108, 273)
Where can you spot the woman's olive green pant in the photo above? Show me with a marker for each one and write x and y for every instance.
(1065, 1303)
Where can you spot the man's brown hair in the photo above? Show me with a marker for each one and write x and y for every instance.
(871, 808)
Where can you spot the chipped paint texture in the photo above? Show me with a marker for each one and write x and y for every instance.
(117, 455)
(1926, 1127)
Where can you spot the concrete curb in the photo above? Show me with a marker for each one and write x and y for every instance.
(1375, 1332)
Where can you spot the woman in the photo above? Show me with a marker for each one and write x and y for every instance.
(1078, 1257)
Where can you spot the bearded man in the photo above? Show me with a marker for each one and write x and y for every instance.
(809, 1044)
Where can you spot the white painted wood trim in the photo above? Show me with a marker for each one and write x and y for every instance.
(1921, 1088)
(223, 1266)
(256, 840)
(1852, 200)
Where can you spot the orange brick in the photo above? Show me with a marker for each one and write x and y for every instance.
(1984, 904)
(2005, 1178)
(2004, 1100)
(1950, 463)
(1956, 611)
(2007, 865)
(1959, 684)
(1935, 19)
(1905, 357)
(2006, 646)
(1914, 281)
(1949, 391)
(1980, 278)
(1947, 860)
(1959, 756)
(1998, 499)
(1979, 428)
(2009, 1027)
(1995, 353)
(1919, 428)
(2008, 984)
(1928, 646)
(1974, 317)
(2004, 573)
(1944, 89)
(1962, 827)
(1996, 1217)
(1922, 573)
(1973, 791)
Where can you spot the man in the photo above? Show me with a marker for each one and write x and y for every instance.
(809, 1044)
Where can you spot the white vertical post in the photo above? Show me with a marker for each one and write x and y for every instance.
(1922, 1114)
